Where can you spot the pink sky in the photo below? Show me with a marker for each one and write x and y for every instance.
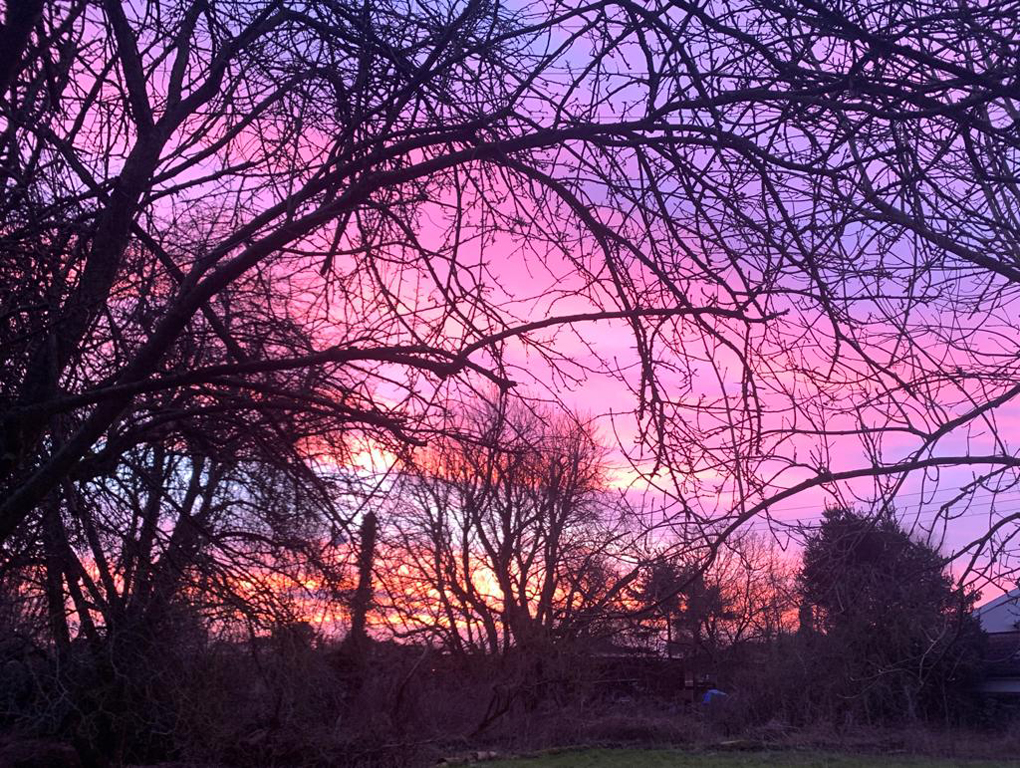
(593, 368)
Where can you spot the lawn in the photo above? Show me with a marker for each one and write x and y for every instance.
(639, 758)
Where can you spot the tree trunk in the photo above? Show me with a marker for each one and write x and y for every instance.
(357, 640)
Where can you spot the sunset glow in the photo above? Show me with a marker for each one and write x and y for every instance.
(382, 378)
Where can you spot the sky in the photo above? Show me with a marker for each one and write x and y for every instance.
(594, 368)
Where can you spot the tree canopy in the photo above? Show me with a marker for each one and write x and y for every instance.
(317, 218)
(900, 637)
(259, 258)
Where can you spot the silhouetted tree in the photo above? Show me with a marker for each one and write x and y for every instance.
(311, 194)
(743, 596)
(499, 535)
(898, 639)
(242, 240)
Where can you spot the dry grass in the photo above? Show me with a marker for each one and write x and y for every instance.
(639, 758)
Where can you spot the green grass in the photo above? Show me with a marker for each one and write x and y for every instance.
(661, 758)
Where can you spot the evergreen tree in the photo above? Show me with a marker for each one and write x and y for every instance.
(898, 639)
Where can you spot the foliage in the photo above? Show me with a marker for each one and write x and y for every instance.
(896, 639)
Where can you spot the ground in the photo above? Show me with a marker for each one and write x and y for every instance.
(641, 758)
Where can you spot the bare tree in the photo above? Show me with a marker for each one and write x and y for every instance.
(504, 535)
(290, 213)
(241, 242)
(746, 596)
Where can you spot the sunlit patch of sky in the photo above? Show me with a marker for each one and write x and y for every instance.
(593, 368)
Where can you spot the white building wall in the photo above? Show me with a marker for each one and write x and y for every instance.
(1001, 614)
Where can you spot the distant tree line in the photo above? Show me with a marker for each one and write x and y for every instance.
(497, 561)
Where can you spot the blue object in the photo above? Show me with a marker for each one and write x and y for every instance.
(711, 695)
